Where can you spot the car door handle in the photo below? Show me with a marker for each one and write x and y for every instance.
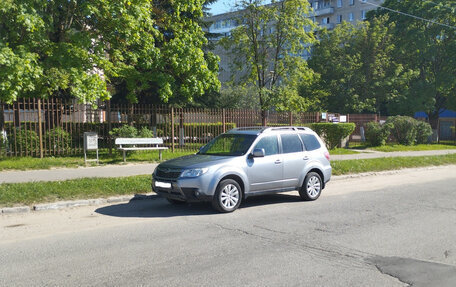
(305, 158)
(278, 161)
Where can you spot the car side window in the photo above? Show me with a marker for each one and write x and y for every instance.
(310, 141)
(291, 143)
(270, 144)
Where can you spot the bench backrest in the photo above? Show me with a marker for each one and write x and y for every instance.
(144, 141)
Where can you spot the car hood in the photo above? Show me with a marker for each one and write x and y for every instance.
(195, 161)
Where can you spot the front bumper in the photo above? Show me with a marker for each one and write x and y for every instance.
(179, 192)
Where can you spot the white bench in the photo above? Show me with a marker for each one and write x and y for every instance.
(140, 144)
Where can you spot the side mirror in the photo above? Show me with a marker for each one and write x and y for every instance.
(258, 152)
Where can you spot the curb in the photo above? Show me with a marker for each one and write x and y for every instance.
(75, 203)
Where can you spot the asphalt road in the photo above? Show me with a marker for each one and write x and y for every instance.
(389, 230)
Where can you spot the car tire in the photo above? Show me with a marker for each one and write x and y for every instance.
(228, 196)
(175, 201)
(311, 189)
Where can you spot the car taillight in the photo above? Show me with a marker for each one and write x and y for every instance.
(327, 155)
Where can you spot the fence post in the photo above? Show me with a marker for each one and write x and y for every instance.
(224, 120)
(181, 128)
(40, 128)
(2, 127)
(172, 129)
(290, 116)
(108, 118)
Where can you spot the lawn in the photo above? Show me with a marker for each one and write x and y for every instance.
(38, 192)
(26, 163)
(397, 147)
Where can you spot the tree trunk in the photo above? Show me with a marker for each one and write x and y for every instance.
(434, 122)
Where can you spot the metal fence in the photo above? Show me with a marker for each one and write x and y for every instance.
(52, 127)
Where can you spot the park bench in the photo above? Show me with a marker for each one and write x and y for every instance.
(126, 144)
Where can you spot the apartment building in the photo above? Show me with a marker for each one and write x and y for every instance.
(327, 13)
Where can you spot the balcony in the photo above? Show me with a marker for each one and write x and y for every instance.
(328, 26)
(324, 11)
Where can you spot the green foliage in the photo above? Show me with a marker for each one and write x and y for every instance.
(25, 141)
(125, 131)
(333, 134)
(423, 132)
(144, 132)
(377, 134)
(59, 139)
(403, 129)
(429, 50)
(267, 50)
(76, 48)
(357, 67)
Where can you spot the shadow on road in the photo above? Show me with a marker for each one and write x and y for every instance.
(155, 206)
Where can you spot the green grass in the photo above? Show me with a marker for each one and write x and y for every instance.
(87, 188)
(38, 192)
(392, 163)
(26, 163)
(421, 147)
(339, 151)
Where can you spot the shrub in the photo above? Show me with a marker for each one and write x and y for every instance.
(423, 132)
(124, 131)
(26, 141)
(58, 139)
(333, 134)
(403, 129)
(145, 133)
(377, 134)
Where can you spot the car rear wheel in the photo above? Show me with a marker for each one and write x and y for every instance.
(227, 197)
(311, 189)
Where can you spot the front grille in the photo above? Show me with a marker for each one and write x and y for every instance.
(168, 173)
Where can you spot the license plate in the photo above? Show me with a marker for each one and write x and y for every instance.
(163, 184)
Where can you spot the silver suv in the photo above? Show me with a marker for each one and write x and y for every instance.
(245, 162)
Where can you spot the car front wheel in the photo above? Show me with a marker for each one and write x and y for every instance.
(311, 189)
(227, 197)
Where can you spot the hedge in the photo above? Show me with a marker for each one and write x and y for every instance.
(333, 134)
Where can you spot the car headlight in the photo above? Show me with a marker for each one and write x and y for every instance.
(195, 172)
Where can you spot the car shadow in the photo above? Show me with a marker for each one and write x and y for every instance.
(155, 206)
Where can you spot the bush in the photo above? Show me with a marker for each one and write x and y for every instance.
(377, 134)
(124, 131)
(423, 132)
(403, 129)
(333, 134)
(145, 133)
(26, 141)
(58, 139)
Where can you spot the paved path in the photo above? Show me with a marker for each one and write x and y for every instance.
(148, 168)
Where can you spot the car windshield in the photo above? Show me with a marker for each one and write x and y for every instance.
(229, 145)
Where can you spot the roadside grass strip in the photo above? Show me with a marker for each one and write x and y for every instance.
(91, 188)
(85, 188)
(341, 167)
(397, 147)
(30, 163)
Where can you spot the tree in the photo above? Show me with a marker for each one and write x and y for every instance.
(357, 67)
(429, 49)
(267, 48)
(76, 48)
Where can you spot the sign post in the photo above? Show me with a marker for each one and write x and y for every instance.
(90, 143)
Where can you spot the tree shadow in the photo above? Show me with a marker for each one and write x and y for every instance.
(155, 206)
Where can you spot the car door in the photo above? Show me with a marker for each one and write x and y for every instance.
(294, 159)
(265, 173)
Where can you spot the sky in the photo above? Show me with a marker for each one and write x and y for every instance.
(222, 6)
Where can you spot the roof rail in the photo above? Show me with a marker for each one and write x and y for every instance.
(262, 129)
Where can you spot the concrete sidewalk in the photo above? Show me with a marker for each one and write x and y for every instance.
(148, 168)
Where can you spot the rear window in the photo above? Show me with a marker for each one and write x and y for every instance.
(291, 143)
(310, 142)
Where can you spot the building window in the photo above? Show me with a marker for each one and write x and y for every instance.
(363, 14)
(325, 20)
(339, 19)
(339, 3)
(350, 17)
(315, 5)
(352, 2)
(326, 4)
